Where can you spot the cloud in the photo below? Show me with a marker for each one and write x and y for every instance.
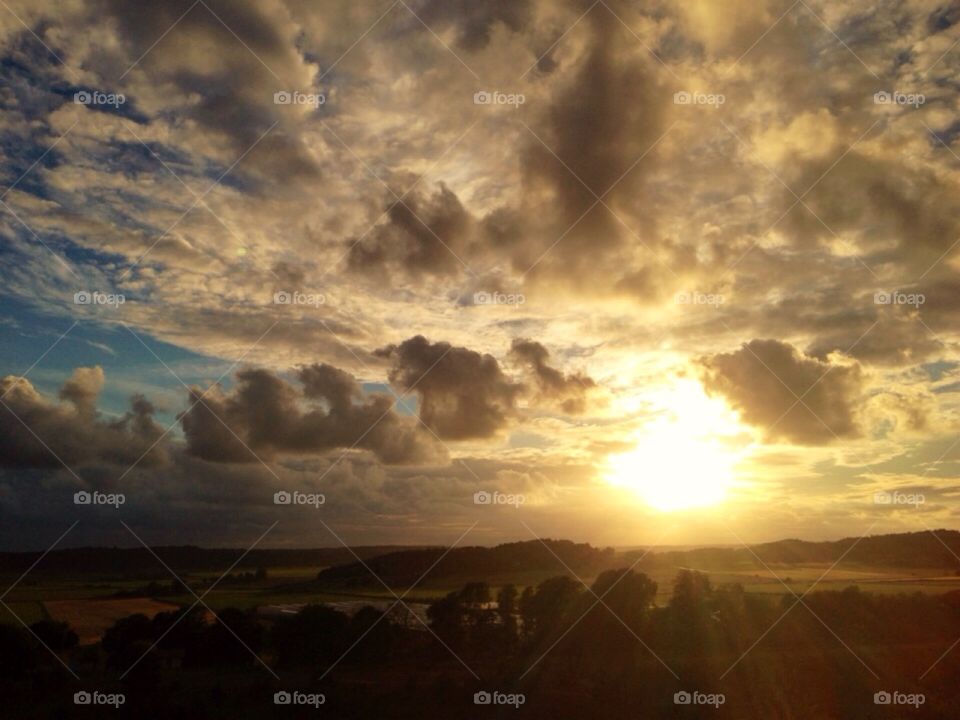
(569, 392)
(421, 235)
(264, 416)
(731, 28)
(897, 339)
(605, 111)
(35, 432)
(536, 213)
(700, 212)
(475, 20)
(898, 412)
(82, 389)
(763, 380)
(879, 205)
(223, 86)
(462, 394)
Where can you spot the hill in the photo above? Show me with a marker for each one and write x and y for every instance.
(139, 562)
(934, 549)
(403, 565)
(406, 567)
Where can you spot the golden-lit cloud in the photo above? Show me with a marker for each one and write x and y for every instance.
(527, 219)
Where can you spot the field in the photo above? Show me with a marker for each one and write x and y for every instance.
(90, 605)
(90, 618)
(800, 578)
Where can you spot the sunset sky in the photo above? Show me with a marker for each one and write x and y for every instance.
(664, 272)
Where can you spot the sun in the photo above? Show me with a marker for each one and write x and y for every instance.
(685, 457)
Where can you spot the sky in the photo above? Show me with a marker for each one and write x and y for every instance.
(627, 273)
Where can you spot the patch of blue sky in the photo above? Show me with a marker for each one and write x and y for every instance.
(128, 366)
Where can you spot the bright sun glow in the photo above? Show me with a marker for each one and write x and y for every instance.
(685, 457)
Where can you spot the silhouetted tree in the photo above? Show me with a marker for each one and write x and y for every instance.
(507, 601)
(463, 614)
(126, 631)
(18, 652)
(691, 589)
(626, 593)
(376, 636)
(227, 641)
(549, 604)
(507, 610)
(55, 635)
(314, 635)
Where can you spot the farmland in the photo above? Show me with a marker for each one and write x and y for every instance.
(91, 604)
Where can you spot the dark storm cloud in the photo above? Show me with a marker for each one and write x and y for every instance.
(72, 430)
(763, 380)
(569, 392)
(598, 123)
(265, 415)
(462, 394)
(420, 235)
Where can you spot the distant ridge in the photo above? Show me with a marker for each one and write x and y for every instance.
(139, 562)
(935, 548)
(403, 565)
